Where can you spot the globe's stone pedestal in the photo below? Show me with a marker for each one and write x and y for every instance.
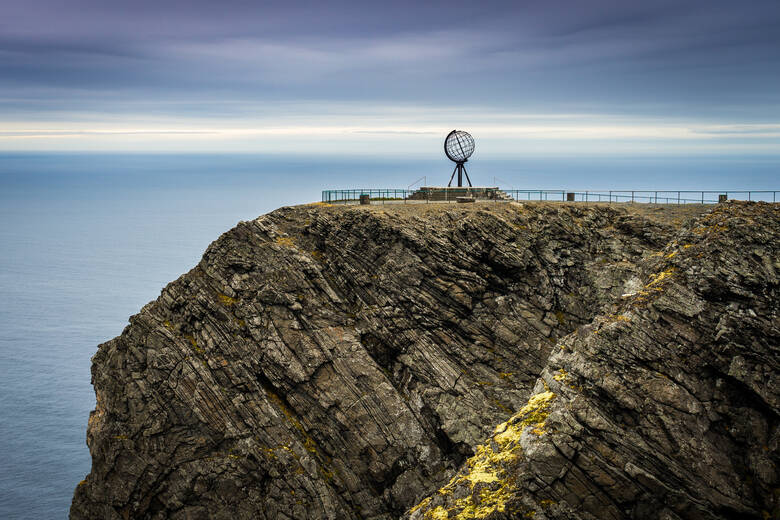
(451, 194)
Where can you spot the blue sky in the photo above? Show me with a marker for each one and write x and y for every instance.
(573, 77)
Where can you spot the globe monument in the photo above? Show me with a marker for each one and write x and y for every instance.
(458, 146)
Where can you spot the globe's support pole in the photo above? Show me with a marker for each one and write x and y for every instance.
(452, 176)
(460, 169)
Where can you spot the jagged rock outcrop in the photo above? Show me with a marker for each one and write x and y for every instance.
(666, 408)
(345, 362)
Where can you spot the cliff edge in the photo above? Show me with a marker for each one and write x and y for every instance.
(353, 362)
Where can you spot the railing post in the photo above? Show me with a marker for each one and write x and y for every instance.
(632, 197)
(702, 197)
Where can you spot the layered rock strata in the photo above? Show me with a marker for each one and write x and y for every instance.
(665, 408)
(346, 362)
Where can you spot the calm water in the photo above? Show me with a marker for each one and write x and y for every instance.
(86, 240)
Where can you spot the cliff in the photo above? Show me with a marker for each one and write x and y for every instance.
(353, 362)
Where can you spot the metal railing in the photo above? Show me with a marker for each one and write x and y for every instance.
(645, 196)
(389, 194)
(392, 195)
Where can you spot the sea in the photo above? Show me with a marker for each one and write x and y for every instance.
(86, 239)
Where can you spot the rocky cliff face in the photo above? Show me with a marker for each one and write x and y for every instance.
(348, 362)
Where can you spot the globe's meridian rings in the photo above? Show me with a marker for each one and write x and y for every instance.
(459, 146)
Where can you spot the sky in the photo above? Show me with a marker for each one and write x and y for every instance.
(367, 78)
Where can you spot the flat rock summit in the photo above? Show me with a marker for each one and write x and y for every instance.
(433, 362)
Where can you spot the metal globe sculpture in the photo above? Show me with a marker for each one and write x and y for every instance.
(458, 146)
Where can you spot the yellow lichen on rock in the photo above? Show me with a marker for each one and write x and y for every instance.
(482, 469)
(537, 409)
(284, 241)
(227, 300)
(423, 503)
(437, 514)
(489, 474)
(660, 277)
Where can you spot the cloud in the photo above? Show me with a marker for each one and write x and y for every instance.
(79, 133)
(726, 130)
(282, 65)
(418, 130)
